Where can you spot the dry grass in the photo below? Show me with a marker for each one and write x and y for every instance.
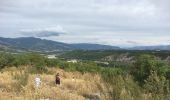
(74, 86)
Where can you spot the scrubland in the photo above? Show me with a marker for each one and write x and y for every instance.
(146, 79)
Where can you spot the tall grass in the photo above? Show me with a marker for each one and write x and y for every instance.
(20, 85)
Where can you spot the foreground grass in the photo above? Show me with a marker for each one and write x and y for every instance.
(83, 86)
(18, 84)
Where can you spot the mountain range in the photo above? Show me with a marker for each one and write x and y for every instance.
(158, 47)
(43, 45)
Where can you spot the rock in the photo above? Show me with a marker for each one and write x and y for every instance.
(94, 96)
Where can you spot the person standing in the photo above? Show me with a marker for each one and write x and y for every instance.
(37, 81)
(57, 79)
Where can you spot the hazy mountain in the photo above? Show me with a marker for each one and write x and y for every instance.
(31, 43)
(37, 44)
(160, 47)
(87, 46)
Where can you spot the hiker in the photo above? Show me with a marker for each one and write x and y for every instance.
(57, 80)
(73, 79)
(37, 81)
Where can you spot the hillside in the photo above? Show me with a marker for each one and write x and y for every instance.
(35, 44)
(111, 55)
(82, 80)
(82, 87)
(87, 46)
(42, 45)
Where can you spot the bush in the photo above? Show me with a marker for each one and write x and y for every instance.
(108, 73)
(5, 60)
(123, 88)
(143, 67)
(157, 85)
(20, 59)
(38, 63)
(52, 62)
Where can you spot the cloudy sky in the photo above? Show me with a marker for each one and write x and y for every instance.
(114, 22)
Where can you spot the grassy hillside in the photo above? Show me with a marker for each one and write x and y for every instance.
(84, 86)
(147, 78)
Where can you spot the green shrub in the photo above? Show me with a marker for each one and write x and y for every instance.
(5, 60)
(157, 85)
(123, 87)
(144, 65)
(52, 62)
(20, 59)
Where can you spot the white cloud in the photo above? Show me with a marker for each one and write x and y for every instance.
(46, 32)
(115, 39)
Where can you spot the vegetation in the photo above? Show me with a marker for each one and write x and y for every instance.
(147, 77)
(100, 54)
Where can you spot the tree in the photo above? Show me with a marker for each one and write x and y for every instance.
(143, 67)
(5, 59)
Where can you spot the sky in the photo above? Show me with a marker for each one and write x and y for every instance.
(123, 23)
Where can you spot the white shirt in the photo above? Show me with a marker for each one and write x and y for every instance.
(37, 81)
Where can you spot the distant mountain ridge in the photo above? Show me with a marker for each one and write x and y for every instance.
(88, 46)
(159, 47)
(43, 45)
(37, 44)
(31, 43)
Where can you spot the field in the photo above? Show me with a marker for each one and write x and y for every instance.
(18, 84)
(13, 86)
(144, 78)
